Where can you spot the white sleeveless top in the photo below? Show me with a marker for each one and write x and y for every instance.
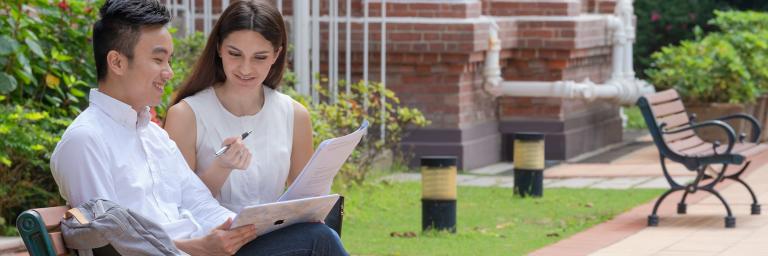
(270, 145)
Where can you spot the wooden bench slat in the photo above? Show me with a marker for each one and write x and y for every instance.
(58, 243)
(52, 215)
(684, 144)
(668, 108)
(703, 149)
(663, 96)
(674, 120)
(757, 149)
(670, 138)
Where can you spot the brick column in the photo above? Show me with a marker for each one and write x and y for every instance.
(556, 40)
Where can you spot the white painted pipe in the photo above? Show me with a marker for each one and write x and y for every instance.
(315, 50)
(301, 43)
(383, 97)
(492, 70)
(623, 87)
(365, 53)
(348, 48)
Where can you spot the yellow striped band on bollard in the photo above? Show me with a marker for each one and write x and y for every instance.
(529, 154)
(438, 183)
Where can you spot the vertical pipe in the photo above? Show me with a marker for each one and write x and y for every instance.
(280, 6)
(315, 50)
(383, 67)
(348, 52)
(188, 23)
(365, 53)
(193, 14)
(332, 44)
(301, 41)
(224, 5)
(207, 10)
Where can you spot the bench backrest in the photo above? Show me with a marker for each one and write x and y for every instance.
(39, 229)
(667, 108)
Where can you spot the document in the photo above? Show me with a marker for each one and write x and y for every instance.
(317, 176)
(307, 199)
(272, 216)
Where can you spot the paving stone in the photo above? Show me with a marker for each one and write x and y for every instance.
(403, 177)
(480, 182)
(573, 183)
(620, 183)
(493, 169)
(661, 182)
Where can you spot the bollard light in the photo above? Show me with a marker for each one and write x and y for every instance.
(529, 164)
(438, 193)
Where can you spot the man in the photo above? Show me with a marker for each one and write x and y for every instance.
(112, 150)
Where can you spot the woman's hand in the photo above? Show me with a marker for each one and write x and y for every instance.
(236, 157)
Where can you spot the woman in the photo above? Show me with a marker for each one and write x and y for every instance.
(232, 90)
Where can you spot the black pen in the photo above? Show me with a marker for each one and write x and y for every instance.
(224, 148)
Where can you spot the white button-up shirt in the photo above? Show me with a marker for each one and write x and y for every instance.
(112, 152)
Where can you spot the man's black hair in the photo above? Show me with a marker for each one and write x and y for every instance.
(120, 27)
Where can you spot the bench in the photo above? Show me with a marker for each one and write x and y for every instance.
(40, 229)
(674, 133)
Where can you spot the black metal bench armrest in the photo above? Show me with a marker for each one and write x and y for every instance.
(756, 129)
(716, 123)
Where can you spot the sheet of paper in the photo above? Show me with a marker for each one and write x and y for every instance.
(317, 176)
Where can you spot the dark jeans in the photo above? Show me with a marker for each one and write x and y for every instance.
(297, 239)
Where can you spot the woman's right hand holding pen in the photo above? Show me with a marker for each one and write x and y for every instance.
(237, 156)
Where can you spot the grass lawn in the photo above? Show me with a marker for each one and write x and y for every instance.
(490, 221)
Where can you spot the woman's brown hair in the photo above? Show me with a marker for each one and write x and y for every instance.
(256, 16)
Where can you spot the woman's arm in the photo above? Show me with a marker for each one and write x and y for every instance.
(302, 141)
(181, 127)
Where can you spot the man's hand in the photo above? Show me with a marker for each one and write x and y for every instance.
(221, 240)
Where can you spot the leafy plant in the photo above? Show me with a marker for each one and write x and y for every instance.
(45, 54)
(720, 67)
(25, 177)
(344, 116)
(186, 50)
(664, 22)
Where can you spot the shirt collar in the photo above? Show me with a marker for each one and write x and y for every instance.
(122, 113)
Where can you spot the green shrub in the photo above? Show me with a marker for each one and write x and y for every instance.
(720, 67)
(345, 116)
(664, 22)
(25, 177)
(45, 54)
(185, 53)
(748, 21)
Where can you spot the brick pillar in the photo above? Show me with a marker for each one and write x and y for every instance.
(552, 41)
(435, 55)
(435, 64)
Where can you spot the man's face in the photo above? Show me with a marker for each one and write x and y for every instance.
(150, 69)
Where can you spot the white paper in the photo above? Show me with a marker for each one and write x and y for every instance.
(317, 176)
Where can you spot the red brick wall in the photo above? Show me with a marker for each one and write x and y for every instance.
(436, 53)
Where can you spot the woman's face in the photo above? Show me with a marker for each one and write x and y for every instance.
(247, 57)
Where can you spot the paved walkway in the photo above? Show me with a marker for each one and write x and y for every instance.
(700, 232)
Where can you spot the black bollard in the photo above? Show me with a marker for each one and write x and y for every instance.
(438, 193)
(529, 164)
